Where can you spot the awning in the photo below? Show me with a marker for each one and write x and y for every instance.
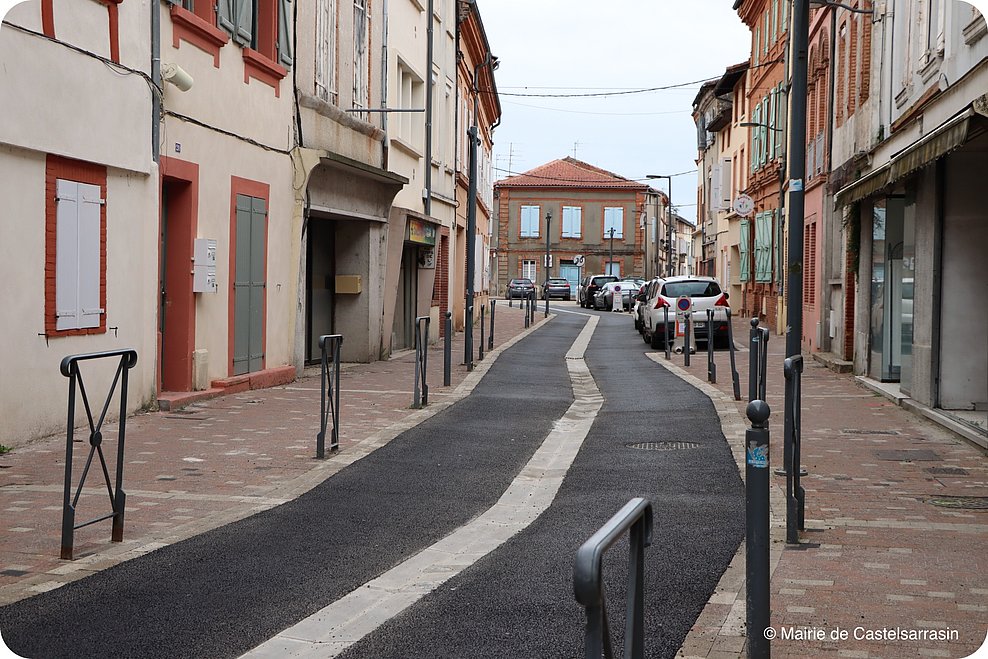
(927, 149)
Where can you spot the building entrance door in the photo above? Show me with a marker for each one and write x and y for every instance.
(249, 285)
(571, 273)
(320, 284)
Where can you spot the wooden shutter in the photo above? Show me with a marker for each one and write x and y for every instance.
(67, 255)
(243, 19)
(284, 32)
(763, 246)
(257, 282)
(90, 206)
(226, 12)
(744, 243)
(716, 190)
(727, 194)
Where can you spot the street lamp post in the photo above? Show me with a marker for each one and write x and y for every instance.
(545, 287)
(669, 220)
(610, 259)
(797, 171)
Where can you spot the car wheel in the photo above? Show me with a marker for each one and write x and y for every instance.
(656, 341)
(638, 325)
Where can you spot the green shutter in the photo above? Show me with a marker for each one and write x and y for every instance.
(285, 16)
(744, 243)
(772, 141)
(756, 137)
(779, 251)
(243, 19)
(763, 247)
(226, 12)
(249, 286)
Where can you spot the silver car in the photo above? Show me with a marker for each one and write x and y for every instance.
(604, 299)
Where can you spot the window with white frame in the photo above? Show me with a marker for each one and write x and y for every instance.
(361, 39)
(528, 270)
(572, 222)
(77, 255)
(613, 268)
(326, 50)
(614, 219)
(411, 96)
(529, 222)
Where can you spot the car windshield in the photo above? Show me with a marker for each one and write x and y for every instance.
(603, 279)
(521, 282)
(691, 289)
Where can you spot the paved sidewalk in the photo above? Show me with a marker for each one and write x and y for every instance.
(211, 463)
(896, 523)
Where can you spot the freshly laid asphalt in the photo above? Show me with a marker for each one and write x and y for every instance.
(518, 601)
(222, 593)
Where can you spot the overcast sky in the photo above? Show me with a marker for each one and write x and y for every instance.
(588, 47)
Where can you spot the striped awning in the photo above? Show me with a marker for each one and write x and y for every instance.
(922, 152)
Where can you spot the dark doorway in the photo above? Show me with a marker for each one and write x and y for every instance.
(320, 277)
(176, 312)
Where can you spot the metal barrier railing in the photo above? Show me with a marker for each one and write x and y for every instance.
(734, 368)
(757, 361)
(118, 498)
(795, 494)
(711, 366)
(490, 337)
(448, 350)
(329, 393)
(588, 585)
(420, 395)
(757, 540)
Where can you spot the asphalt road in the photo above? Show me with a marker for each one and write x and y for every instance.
(224, 592)
(518, 601)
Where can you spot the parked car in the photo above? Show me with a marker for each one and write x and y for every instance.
(605, 296)
(641, 299)
(589, 287)
(556, 287)
(520, 288)
(705, 292)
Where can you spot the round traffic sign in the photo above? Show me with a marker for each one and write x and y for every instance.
(684, 303)
(578, 260)
(743, 205)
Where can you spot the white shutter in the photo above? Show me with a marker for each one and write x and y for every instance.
(725, 184)
(67, 255)
(89, 255)
(715, 187)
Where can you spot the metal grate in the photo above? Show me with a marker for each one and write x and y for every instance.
(967, 503)
(946, 471)
(663, 446)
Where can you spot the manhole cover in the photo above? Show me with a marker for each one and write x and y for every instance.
(946, 471)
(906, 455)
(663, 446)
(858, 431)
(967, 503)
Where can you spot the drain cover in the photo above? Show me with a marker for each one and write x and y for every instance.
(905, 455)
(858, 431)
(946, 471)
(663, 446)
(967, 503)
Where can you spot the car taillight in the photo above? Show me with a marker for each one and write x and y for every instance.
(722, 302)
(661, 302)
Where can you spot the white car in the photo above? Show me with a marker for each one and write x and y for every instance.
(705, 292)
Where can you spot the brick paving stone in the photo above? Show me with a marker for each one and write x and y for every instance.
(211, 463)
(875, 553)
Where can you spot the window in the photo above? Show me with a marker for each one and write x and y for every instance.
(411, 95)
(528, 270)
(572, 222)
(75, 247)
(202, 9)
(529, 222)
(809, 261)
(261, 25)
(361, 39)
(614, 219)
(326, 50)
(744, 247)
(613, 268)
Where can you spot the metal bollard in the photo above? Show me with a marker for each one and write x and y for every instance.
(483, 325)
(711, 366)
(490, 337)
(754, 357)
(687, 343)
(547, 302)
(757, 600)
(420, 396)
(665, 328)
(793, 470)
(532, 306)
(763, 362)
(329, 393)
(448, 350)
(527, 316)
(468, 337)
(734, 368)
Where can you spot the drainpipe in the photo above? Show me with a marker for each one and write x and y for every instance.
(428, 110)
(157, 98)
(386, 149)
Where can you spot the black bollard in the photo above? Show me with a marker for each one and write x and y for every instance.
(665, 328)
(711, 366)
(490, 337)
(734, 368)
(754, 357)
(448, 350)
(687, 343)
(483, 326)
(758, 612)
